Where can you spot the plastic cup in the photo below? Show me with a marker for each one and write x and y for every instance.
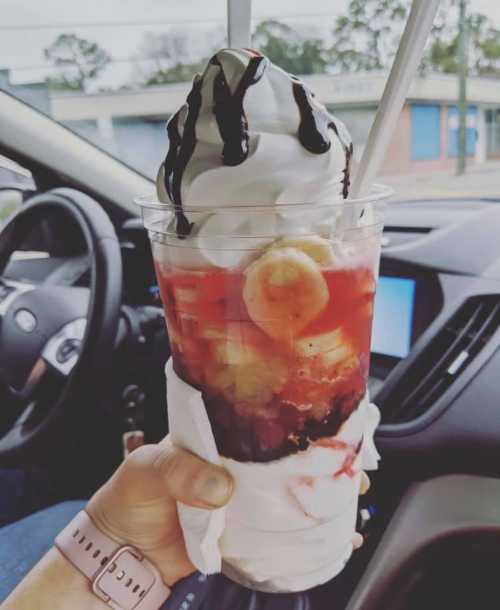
(269, 314)
(272, 324)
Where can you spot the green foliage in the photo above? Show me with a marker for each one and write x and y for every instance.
(290, 50)
(443, 56)
(178, 73)
(367, 37)
(61, 83)
(169, 58)
(489, 64)
(173, 56)
(485, 46)
(78, 61)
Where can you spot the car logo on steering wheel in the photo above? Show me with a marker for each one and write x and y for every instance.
(25, 320)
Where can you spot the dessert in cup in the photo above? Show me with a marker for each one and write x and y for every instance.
(267, 273)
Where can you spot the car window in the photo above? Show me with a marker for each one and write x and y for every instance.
(15, 182)
(115, 71)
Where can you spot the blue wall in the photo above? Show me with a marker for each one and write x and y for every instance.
(425, 132)
(471, 132)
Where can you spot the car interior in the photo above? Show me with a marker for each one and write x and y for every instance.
(83, 348)
(93, 370)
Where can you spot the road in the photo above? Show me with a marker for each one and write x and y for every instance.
(478, 181)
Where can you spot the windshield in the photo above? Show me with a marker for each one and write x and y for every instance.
(115, 71)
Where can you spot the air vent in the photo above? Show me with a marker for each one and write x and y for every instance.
(446, 357)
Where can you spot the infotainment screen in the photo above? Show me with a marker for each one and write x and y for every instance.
(393, 316)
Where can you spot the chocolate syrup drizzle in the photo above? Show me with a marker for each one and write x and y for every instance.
(179, 153)
(229, 112)
(232, 123)
(315, 123)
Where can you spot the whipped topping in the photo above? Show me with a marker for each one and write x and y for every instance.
(250, 134)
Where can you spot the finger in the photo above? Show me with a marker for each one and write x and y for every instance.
(357, 541)
(365, 483)
(191, 480)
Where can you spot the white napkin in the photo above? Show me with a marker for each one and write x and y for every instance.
(190, 429)
(290, 522)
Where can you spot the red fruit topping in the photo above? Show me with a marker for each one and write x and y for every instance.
(267, 398)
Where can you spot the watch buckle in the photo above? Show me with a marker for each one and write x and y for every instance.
(123, 596)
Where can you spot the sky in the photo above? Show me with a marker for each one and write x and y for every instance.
(28, 26)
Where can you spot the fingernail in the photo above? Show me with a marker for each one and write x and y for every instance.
(216, 488)
(365, 484)
(357, 541)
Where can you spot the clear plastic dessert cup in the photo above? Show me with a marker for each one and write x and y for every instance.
(269, 314)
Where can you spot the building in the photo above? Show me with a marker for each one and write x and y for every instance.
(131, 122)
(426, 137)
(34, 94)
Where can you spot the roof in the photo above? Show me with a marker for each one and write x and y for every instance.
(341, 89)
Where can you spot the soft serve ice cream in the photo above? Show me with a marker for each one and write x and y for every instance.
(250, 134)
(269, 311)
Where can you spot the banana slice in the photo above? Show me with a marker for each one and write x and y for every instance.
(213, 332)
(341, 355)
(319, 344)
(316, 247)
(234, 352)
(253, 383)
(331, 349)
(284, 290)
(185, 295)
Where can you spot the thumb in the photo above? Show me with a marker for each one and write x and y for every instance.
(191, 480)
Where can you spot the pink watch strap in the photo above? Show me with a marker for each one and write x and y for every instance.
(120, 576)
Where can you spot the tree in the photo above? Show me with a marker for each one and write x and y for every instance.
(173, 56)
(485, 46)
(79, 61)
(443, 56)
(367, 37)
(289, 49)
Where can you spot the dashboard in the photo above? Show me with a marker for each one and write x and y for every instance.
(394, 315)
(440, 300)
(407, 301)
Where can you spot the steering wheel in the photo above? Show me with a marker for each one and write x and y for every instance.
(56, 341)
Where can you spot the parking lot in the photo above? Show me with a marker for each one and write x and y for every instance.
(478, 181)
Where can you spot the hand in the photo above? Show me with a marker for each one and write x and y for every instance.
(137, 506)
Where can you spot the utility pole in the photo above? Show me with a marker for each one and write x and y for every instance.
(239, 23)
(462, 87)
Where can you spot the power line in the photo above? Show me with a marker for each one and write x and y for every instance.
(103, 24)
(118, 60)
(13, 27)
(121, 60)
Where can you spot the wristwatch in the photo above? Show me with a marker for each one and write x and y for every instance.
(120, 575)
